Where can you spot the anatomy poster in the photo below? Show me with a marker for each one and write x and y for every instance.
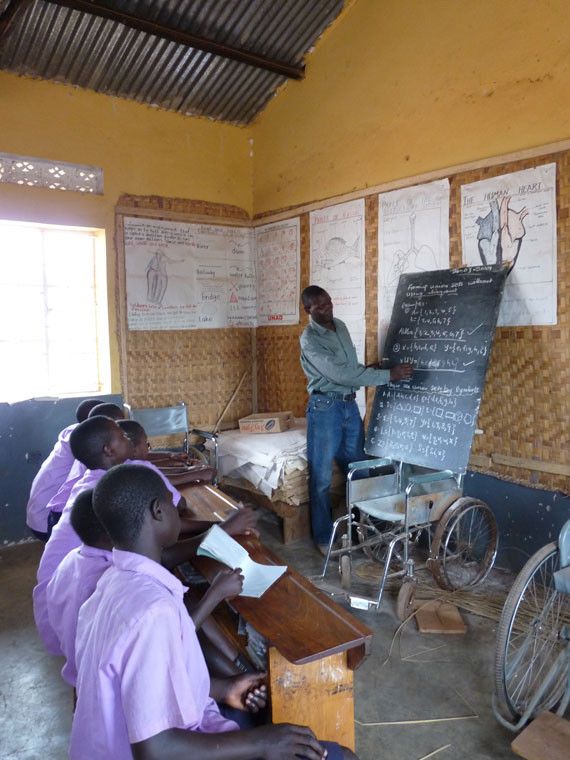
(413, 236)
(337, 265)
(278, 255)
(186, 276)
(512, 218)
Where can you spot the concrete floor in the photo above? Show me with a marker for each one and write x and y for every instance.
(417, 682)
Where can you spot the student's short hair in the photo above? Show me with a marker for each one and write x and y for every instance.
(89, 438)
(133, 430)
(122, 499)
(82, 411)
(310, 292)
(83, 519)
(108, 410)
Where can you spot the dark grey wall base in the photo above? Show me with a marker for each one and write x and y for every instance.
(528, 518)
(28, 431)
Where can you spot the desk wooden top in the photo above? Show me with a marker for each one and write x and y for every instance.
(297, 618)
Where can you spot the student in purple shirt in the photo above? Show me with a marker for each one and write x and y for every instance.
(143, 687)
(77, 575)
(99, 444)
(52, 475)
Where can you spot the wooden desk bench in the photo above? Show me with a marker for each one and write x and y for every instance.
(314, 644)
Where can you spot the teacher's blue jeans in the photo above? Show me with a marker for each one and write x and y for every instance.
(334, 431)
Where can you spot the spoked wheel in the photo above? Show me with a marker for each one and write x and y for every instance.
(369, 528)
(529, 637)
(464, 545)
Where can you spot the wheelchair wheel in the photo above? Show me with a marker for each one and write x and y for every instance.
(344, 570)
(464, 545)
(405, 600)
(367, 528)
(529, 636)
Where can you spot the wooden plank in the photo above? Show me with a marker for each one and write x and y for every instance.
(181, 216)
(438, 617)
(121, 305)
(318, 694)
(532, 464)
(547, 738)
(208, 502)
(479, 460)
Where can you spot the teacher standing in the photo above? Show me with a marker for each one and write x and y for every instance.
(334, 424)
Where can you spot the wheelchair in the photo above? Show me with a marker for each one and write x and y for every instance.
(532, 657)
(392, 507)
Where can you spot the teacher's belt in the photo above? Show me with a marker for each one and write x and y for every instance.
(335, 395)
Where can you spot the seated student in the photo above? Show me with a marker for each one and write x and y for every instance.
(52, 475)
(143, 687)
(110, 410)
(200, 472)
(77, 575)
(99, 443)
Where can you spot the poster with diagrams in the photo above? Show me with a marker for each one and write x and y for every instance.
(278, 250)
(182, 276)
(338, 266)
(512, 218)
(413, 236)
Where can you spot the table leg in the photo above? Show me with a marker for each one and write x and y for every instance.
(319, 694)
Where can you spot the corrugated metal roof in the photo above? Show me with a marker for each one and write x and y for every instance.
(50, 41)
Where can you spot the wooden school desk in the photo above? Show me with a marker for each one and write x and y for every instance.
(314, 645)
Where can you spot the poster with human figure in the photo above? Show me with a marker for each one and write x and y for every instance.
(413, 236)
(189, 276)
(511, 220)
(338, 266)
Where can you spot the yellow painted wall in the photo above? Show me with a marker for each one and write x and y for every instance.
(142, 150)
(400, 87)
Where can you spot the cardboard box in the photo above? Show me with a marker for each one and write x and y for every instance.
(267, 422)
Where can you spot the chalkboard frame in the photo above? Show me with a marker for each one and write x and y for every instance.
(443, 322)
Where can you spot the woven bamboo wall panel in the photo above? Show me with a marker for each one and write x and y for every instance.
(525, 412)
(200, 367)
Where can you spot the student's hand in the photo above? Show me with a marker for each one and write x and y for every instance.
(401, 372)
(282, 741)
(227, 584)
(247, 691)
(240, 522)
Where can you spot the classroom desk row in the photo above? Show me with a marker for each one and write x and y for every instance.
(314, 645)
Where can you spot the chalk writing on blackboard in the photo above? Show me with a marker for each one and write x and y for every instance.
(443, 323)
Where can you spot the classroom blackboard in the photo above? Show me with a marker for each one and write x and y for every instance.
(443, 322)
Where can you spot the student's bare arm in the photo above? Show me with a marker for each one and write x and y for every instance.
(280, 742)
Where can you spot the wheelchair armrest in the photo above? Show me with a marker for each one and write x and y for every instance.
(367, 464)
(204, 434)
(428, 477)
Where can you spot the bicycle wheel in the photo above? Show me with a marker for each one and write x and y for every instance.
(464, 545)
(528, 636)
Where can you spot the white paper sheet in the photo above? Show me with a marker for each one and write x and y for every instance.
(413, 236)
(338, 266)
(513, 218)
(278, 249)
(257, 578)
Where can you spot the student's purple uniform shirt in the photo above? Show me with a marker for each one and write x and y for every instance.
(140, 667)
(63, 540)
(72, 584)
(52, 475)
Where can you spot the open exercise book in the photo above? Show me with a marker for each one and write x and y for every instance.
(256, 578)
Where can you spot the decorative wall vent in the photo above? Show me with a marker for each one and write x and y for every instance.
(57, 175)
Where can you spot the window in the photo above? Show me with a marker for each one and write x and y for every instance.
(54, 334)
